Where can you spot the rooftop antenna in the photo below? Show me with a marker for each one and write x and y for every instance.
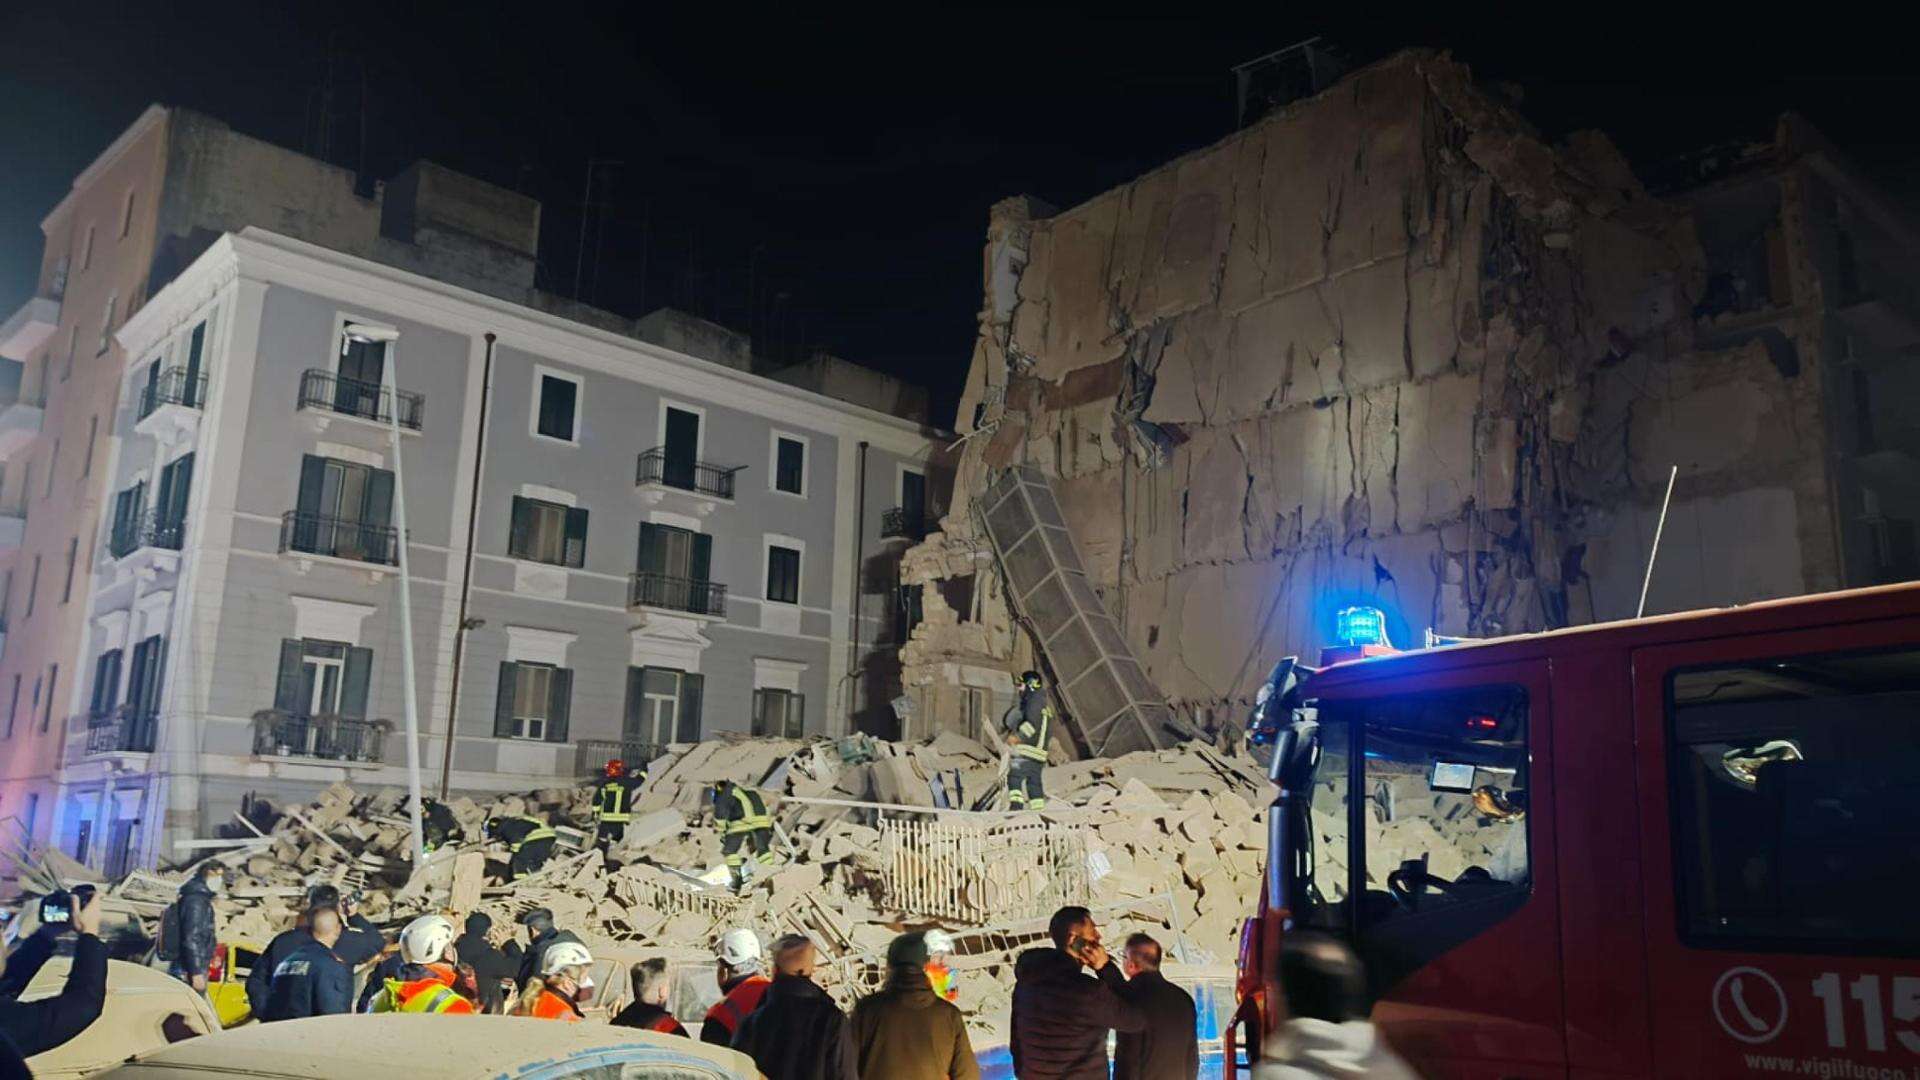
(1647, 582)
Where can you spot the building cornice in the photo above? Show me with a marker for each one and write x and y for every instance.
(153, 115)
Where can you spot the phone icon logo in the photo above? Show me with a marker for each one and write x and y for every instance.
(1750, 1005)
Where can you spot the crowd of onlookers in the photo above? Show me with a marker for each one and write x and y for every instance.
(770, 1007)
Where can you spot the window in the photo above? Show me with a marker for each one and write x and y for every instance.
(345, 510)
(789, 465)
(672, 571)
(13, 706)
(53, 468)
(33, 812)
(93, 436)
(143, 681)
(533, 702)
(317, 678)
(73, 556)
(908, 612)
(106, 683)
(663, 706)
(913, 500)
(779, 713)
(680, 441)
(33, 586)
(34, 706)
(26, 490)
(126, 215)
(82, 840)
(783, 575)
(66, 370)
(548, 532)
(53, 684)
(558, 414)
(1794, 781)
(362, 371)
(1434, 843)
(107, 324)
(86, 250)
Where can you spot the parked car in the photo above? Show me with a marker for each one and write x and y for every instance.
(233, 960)
(396, 1046)
(145, 1010)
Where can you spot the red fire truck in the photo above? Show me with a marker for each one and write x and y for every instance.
(1681, 846)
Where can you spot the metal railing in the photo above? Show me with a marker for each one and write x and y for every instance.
(653, 590)
(322, 389)
(656, 467)
(901, 522)
(123, 730)
(328, 738)
(149, 529)
(339, 538)
(590, 756)
(173, 387)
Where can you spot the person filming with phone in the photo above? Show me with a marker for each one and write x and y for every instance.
(35, 1027)
(1060, 1016)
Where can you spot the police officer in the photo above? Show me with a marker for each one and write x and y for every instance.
(1028, 724)
(529, 842)
(613, 802)
(740, 813)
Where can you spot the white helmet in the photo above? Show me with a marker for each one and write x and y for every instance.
(740, 948)
(939, 942)
(425, 939)
(562, 955)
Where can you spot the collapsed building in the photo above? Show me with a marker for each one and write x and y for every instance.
(1387, 346)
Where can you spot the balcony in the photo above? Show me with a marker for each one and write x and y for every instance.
(591, 755)
(20, 421)
(329, 537)
(29, 328)
(708, 484)
(150, 529)
(664, 592)
(900, 523)
(124, 730)
(279, 734)
(326, 397)
(170, 405)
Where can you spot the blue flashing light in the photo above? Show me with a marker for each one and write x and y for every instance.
(1361, 626)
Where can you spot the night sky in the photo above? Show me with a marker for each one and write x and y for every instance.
(838, 171)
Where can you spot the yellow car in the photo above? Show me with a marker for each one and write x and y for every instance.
(233, 960)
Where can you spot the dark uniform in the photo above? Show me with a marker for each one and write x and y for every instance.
(437, 823)
(613, 806)
(1030, 721)
(529, 842)
(741, 815)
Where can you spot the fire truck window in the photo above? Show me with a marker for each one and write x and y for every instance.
(1328, 813)
(1794, 786)
(1447, 844)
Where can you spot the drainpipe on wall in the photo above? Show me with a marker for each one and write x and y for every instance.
(466, 574)
(859, 557)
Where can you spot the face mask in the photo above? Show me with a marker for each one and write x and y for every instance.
(218, 885)
(585, 992)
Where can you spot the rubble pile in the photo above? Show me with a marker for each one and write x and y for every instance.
(1167, 841)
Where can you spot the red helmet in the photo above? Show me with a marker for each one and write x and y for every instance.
(616, 769)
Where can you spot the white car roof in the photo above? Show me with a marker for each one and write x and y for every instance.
(134, 1019)
(393, 1046)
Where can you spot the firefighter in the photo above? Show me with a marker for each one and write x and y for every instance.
(427, 975)
(437, 824)
(741, 815)
(529, 842)
(565, 984)
(613, 802)
(1028, 724)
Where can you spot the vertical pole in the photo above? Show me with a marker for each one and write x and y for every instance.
(406, 617)
(1647, 582)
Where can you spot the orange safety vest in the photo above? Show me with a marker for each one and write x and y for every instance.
(551, 1006)
(432, 994)
(741, 1000)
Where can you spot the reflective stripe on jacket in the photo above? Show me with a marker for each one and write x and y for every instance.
(727, 1013)
(1033, 725)
(614, 801)
(540, 831)
(750, 813)
(431, 994)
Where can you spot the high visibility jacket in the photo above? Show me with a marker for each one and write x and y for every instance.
(727, 1013)
(432, 993)
(551, 1006)
(539, 830)
(614, 801)
(1032, 720)
(744, 812)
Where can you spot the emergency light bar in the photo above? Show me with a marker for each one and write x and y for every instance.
(1361, 626)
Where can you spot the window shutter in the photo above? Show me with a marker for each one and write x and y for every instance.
(313, 478)
(636, 705)
(691, 688)
(156, 673)
(179, 478)
(576, 550)
(194, 345)
(562, 691)
(653, 554)
(759, 726)
(353, 689)
(286, 695)
(519, 535)
(379, 498)
(796, 716)
(702, 567)
(503, 703)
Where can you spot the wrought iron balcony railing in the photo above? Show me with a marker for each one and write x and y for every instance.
(122, 730)
(339, 538)
(174, 387)
(677, 594)
(656, 467)
(321, 389)
(905, 523)
(591, 755)
(327, 738)
(151, 528)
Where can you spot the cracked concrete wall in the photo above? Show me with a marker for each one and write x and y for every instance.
(1386, 346)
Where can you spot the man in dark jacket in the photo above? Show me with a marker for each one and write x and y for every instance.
(359, 942)
(1061, 1017)
(490, 966)
(1169, 1047)
(651, 988)
(34, 1027)
(193, 952)
(542, 936)
(906, 1031)
(797, 1033)
(311, 981)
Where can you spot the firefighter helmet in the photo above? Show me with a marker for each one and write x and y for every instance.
(739, 948)
(616, 769)
(562, 955)
(426, 939)
(1030, 678)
